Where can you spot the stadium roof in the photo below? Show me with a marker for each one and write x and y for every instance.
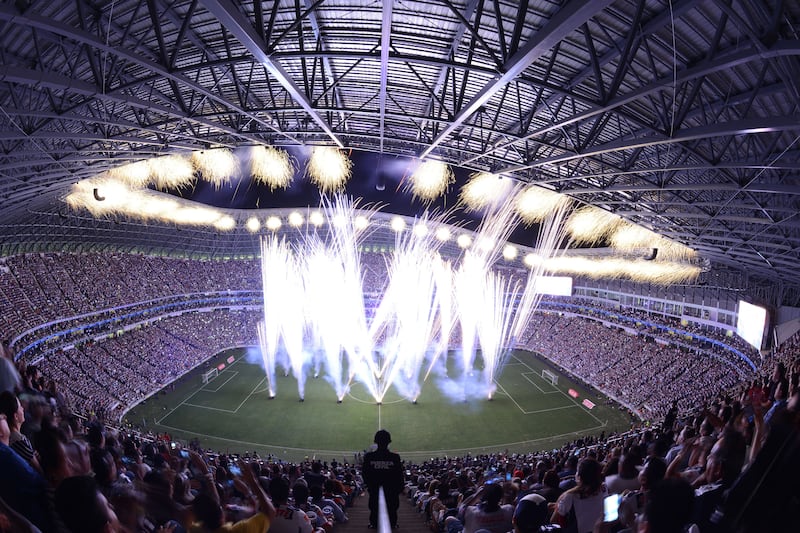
(679, 115)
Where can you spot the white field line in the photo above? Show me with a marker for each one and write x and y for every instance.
(532, 382)
(190, 396)
(233, 375)
(451, 451)
(570, 398)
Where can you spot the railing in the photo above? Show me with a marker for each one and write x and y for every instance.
(384, 526)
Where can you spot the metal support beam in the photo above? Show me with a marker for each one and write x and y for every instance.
(739, 127)
(567, 20)
(236, 23)
(386, 39)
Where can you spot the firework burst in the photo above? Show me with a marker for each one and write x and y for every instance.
(271, 167)
(329, 169)
(485, 190)
(171, 172)
(591, 225)
(216, 166)
(430, 180)
(534, 203)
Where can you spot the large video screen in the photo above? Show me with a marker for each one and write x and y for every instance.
(554, 285)
(751, 322)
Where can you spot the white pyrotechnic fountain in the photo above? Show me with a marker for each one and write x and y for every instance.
(316, 320)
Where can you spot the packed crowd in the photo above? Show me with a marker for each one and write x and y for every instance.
(702, 337)
(44, 287)
(41, 288)
(725, 456)
(730, 466)
(63, 475)
(643, 375)
(103, 378)
(147, 358)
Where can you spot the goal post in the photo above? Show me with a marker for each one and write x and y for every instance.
(550, 377)
(210, 375)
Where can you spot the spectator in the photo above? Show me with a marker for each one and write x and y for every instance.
(489, 514)
(530, 514)
(315, 477)
(15, 416)
(210, 514)
(550, 489)
(329, 507)
(288, 518)
(22, 488)
(83, 508)
(383, 469)
(582, 506)
(627, 478)
(318, 519)
(633, 503)
(668, 509)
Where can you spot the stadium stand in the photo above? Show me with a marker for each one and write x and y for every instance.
(731, 442)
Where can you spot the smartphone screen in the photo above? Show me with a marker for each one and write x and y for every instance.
(184, 454)
(235, 470)
(611, 508)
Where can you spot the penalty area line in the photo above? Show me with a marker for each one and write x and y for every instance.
(251, 393)
(185, 400)
(187, 404)
(510, 397)
(527, 375)
(232, 375)
(572, 400)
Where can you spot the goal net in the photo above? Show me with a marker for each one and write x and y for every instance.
(550, 377)
(210, 374)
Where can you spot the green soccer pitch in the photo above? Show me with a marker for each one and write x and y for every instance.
(233, 413)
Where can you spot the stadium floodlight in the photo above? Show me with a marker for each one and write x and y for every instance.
(398, 224)
(295, 219)
(225, 223)
(316, 218)
(253, 224)
(464, 240)
(532, 260)
(361, 222)
(443, 234)
(273, 223)
(510, 252)
(485, 243)
(196, 216)
(420, 230)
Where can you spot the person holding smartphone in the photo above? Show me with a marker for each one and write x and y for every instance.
(210, 513)
(582, 506)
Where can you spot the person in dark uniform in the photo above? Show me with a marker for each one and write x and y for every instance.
(383, 468)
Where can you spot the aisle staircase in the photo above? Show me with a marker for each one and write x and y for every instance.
(408, 520)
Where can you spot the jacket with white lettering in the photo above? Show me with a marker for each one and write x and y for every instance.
(383, 468)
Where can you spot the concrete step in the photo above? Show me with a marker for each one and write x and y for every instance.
(409, 521)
